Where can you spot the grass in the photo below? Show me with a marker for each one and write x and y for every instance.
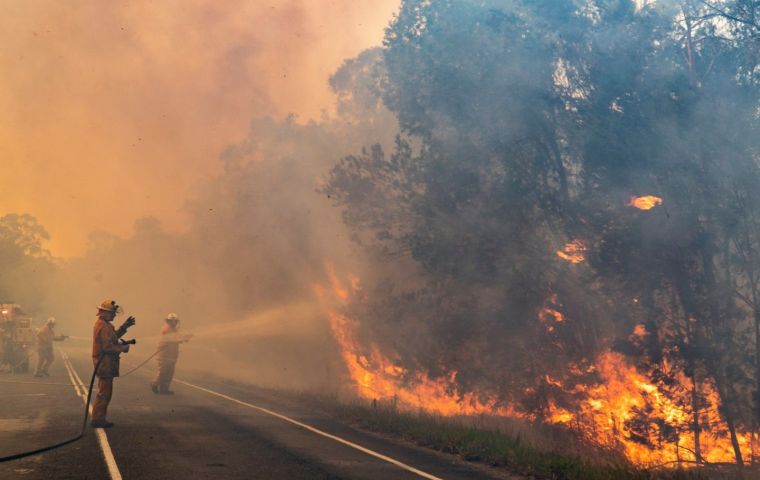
(516, 448)
(536, 451)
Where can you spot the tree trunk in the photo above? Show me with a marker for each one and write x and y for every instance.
(734, 440)
(695, 420)
(724, 392)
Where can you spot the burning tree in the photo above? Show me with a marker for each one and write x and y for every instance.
(573, 188)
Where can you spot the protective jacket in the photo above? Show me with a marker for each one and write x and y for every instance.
(45, 337)
(105, 341)
(168, 346)
(168, 352)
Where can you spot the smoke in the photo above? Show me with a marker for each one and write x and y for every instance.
(258, 238)
(112, 114)
(538, 122)
(173, 151)
(524, 127)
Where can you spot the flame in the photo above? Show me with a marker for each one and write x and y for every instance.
(549, 315)
(640, 330)
(625, 410)
(552, 381)
(573, 252)
(646, 202)
(611, 409)
(375, 376)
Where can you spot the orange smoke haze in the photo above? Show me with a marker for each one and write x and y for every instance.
(110, 113)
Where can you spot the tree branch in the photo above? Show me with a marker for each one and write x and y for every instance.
(729, 16)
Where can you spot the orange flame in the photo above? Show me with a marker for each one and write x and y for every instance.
(375, 376)
(573, 252)
(625, 410)
(611, 407)
(646, 202)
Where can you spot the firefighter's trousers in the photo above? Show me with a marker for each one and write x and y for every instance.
(102, 399)
(165, 374)
(44, 360)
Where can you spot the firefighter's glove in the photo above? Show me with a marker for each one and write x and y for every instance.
(130, 321)
(124, 326)
(125, 349)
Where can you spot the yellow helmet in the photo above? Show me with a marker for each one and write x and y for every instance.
(172, 317)
(108, 306)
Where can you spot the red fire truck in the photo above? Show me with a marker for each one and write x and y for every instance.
(16, 338)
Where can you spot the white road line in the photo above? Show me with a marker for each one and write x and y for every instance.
(105, 447)
(316, 430)
(71, 376)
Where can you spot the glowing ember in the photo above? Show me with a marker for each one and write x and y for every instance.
(647, 202)
(573, 252)
(549, 315)
(640, 330)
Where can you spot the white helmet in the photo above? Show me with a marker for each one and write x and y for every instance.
(172, 317)
(51, 321)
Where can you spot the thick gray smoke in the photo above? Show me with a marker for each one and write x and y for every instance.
(537, 122)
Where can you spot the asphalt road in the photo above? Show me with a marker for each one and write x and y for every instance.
(209, 429)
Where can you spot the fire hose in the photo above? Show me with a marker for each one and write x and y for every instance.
(142, 363)
(70, 440)
(139, 366)
(86, 410)
(27, 358)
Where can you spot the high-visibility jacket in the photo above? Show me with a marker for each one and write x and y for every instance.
(105, 342)
(45, 337)
(168, 346)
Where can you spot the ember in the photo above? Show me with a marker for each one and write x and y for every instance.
(573, 252)
(647, 202)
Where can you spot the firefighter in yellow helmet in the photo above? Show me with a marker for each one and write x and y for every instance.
(45, 339)
(168, 352)
(105, 356)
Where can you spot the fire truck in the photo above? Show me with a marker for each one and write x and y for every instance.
(16, 338)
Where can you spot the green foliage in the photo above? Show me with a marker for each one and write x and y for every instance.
(21, 236)
(25, 264)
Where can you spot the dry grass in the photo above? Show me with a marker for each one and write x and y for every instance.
(534, 450)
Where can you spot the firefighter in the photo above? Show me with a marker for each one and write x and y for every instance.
(105, 344)
(168, 352)
(45, 339)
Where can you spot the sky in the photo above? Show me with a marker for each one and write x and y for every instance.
(109, 114)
